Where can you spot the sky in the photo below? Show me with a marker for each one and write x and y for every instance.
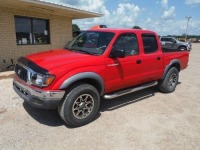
(166, 17)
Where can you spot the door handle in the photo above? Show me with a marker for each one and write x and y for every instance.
(138, 61)
(158, 58)
(111, 65)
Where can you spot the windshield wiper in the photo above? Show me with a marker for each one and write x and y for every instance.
(86, 52)
(68, 47)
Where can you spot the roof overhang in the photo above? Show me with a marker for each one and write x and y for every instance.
(49, 8)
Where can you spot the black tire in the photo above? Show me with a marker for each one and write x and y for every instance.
(80, 105)
(168, 84)
(182, 48)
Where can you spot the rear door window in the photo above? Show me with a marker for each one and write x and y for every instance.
(150, 43)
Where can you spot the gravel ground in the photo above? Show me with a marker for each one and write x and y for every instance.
(146, 119)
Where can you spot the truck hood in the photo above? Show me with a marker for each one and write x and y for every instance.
(56, 58)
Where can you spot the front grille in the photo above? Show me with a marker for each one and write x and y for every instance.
(21, 72)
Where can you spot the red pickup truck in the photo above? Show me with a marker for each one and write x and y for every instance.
(99, 63)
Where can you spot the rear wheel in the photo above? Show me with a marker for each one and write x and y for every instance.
(168, 84)
(80, 106)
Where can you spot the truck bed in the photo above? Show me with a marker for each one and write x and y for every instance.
(179, 55)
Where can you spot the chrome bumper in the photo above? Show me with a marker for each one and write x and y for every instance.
(189, 47)
(48, 99)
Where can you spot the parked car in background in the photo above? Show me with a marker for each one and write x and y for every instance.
(76, 33)
(98, 26)
(172, 43)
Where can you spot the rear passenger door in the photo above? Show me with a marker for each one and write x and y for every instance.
(152, 63)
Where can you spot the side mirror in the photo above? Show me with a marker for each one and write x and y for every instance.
(117, 53)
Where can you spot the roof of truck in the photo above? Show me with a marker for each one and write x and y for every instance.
(117, 30)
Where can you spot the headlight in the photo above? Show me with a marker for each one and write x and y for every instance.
(42, 80)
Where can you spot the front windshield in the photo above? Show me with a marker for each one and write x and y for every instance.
(91, 42)
(177, 39)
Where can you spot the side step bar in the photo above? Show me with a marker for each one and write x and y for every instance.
(127, 91)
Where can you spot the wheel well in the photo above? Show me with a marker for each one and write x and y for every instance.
(176, 65)
(92, 82)
(182, 46)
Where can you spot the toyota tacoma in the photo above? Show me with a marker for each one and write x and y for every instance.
(98, 63)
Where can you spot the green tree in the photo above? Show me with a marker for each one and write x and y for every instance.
(136, 27)
(75, 27)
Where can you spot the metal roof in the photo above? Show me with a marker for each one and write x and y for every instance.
(64, 5)
(44, 6)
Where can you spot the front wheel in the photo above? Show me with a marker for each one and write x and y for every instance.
(168, 84)
(80, 105)
(182, 48)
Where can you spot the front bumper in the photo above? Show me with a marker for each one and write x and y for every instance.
(189, 47)
(47, 99)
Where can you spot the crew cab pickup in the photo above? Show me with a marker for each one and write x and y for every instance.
(99, 63)
(172, 43)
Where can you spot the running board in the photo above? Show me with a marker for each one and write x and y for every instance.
(127, 91)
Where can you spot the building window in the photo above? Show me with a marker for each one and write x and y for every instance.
(31, 31)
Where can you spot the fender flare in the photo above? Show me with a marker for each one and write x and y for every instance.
(183, 46)
(81, 76)
(172, 63)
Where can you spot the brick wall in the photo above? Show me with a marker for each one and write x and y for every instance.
(60, 34)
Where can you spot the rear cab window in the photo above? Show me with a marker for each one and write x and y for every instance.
(150, 43)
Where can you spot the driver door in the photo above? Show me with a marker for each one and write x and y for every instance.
(123, 72)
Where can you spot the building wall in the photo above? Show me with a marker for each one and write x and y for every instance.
(60, 34)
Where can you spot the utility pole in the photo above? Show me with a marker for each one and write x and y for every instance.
(188, 19)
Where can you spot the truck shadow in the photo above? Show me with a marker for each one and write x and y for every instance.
(44, 116)
(49, 117)
(52, 118)
(112, 104)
